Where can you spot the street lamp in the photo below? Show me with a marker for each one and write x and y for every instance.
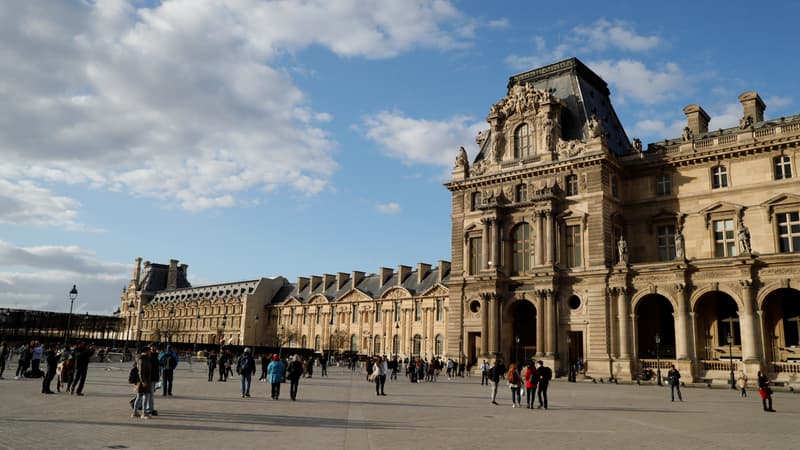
(197, 332)
(222, 332)
(73, 294)
(169, 324)
(139, 330)
(280, 343)
(658, 360)
(730, 357)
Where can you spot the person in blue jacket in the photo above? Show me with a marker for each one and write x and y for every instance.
(276, 372)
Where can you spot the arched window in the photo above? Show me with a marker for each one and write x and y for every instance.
(522, 141)
(354, 343)
(396, 344)
(439, 345)
(522, 249)
(304, 342)
(522, 193)
(291, 341)
(417, 344)
(376, 348)
(317, 343)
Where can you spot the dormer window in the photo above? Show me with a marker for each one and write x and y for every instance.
(522, 142)
(571, 183)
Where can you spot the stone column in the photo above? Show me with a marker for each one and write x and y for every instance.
(538, 227)
(495, 243)
(549, 235)
(550, 311)
(540, 326)
(682, 336)
(748, 323)
(493, 326)
(484, 325)
(485, 244)
(624, 317)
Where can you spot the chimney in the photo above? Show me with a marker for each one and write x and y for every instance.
(697, 119)
(753, 106)
(341, 279)
(172, 275)
(356, 278)
(302, 284)
(402, 273)
(422, 271)
(385, 274)
(315, 280)
(184, 269)
(137, 271)
(327, 279)
(444, 269)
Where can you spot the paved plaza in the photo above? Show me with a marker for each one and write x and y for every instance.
(342, 411)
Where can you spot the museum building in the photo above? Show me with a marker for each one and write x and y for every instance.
(569, 241)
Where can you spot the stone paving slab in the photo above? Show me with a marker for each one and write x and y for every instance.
(342, 411)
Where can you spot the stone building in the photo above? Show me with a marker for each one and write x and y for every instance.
(402, 312)
(570, 241)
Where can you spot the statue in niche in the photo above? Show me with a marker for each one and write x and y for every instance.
(745, 122)
(622, 250)
(679, 255)
(637, 145)
(744, 238)
(547, 126)
(593, 127)
(687, 134)
(461, 160)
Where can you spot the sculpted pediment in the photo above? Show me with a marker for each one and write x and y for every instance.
(436, 290)
(354, 295)
(721, 207)
(291, 301)
(318, 299)
(780, 201)
(396, 293)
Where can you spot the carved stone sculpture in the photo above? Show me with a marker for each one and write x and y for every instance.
(593, 127)
(687, 134)
(744, 239)
(461, 160)
(637, 145)
(622, 250)
(478, 169)
(679, 246)
(745, 122)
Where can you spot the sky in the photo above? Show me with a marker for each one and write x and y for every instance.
(256, 139)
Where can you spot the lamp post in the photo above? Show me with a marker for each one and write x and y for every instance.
(658, 360)
(139, 331)
(222, 332)
(280, 343)
(73, 294)
(730, 358)
(196, 333)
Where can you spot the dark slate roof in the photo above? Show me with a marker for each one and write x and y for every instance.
(224, 290)
(583, 93)
(154, 278)
(369, 285)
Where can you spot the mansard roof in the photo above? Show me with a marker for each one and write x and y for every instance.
(154, 278)
(211, 292)
(370, 285)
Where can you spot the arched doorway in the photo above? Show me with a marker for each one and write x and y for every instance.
(654, 317)
(782, 325)
(524, 338)
(717, 327)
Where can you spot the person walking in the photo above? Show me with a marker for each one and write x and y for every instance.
(514, 382)
(51, 359)
(674, 378)
(275, 375)
(223, 359)
(3, 356)
(742, 382)
(295, 371)
(246, 368)
(484, 373)
(168, 361)
(378, 375)
(155, 377)
(36, 359)
(545, 375)
(211, 362)
(497, 371)
(82, 356)
(144, 386)
(323, 364)
(531, 382)
(23, 361)
(765, 391)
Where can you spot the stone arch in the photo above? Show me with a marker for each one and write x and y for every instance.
(716, 316)
(781, 319)
(654, 314)
(641, 294)
(767, 290)
(700, 292)
(522, 319)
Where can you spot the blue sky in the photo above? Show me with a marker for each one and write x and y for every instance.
(249, 138)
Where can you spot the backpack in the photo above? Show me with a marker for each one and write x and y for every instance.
(133, 375)
(491, 373)
(173, 362)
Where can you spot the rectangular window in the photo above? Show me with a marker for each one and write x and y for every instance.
(355, 313)
(724, 242)
(439, 309)
(571, 183)
(333, 315)
(378, 312)
(475, 249)
(319, 313)
(666, 242)
(663, 185)
(397, 311)
(522, 193)
(788, 232)
(573, 239)
(719, 177)
(417, 311)
(304, 315)
(783, 167)
(291, 317)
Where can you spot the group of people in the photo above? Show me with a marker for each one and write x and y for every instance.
(66, 364)
(151, 368)
(536, 379)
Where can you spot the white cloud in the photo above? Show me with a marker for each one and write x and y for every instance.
(499, 24)
(421, 141)
(390, 208)
(656, 129)
(40, 278)
(635, 80)
(725, 116)
(187, 101)
(778, 101)
(25, 203)
(604, 34)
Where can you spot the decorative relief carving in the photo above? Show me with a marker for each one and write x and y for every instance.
(396, 293)
(462, 160)
(779, 271)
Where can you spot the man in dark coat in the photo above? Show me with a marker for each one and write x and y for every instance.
(82, 356)
(51, 356)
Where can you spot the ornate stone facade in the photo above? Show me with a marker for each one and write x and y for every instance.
(569, 242)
